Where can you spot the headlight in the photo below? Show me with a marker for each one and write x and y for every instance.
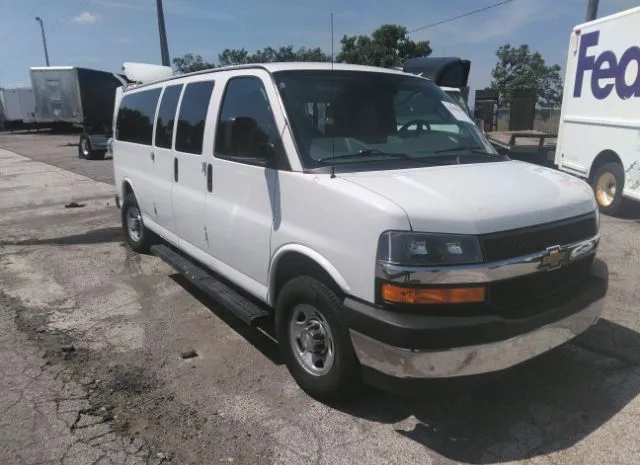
(408, 248)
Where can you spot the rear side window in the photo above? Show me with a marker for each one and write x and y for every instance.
(193, 113)
(136, 115)
(167, 116)
(246, 122)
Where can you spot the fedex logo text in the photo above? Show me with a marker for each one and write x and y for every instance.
(605, 67)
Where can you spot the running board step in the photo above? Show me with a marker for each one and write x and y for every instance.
(240, 306)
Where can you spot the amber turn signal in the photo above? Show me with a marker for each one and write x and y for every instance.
(409, 295)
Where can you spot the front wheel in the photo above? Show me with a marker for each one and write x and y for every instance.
(313, 341)
(608, 183)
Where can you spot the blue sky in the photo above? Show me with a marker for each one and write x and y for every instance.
(102, 34)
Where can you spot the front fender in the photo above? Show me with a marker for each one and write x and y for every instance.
(312, 255)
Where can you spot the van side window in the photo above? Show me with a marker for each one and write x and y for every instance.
(167, 116)
(193, 113)
(246, 123)
(136, 115)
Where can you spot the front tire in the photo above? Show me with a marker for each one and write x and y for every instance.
(313, 341)
(608, 184)
(138, 237)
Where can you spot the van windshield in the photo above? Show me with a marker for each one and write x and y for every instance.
(457, 97)
(365, 118)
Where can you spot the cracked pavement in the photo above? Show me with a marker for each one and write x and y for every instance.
(91, 337)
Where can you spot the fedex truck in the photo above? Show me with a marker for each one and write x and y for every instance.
(599, 133)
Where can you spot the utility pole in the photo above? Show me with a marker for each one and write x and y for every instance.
(592, 10)
(164, 48)
(44, 40)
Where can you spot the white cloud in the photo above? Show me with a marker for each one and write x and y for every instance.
(121, 4)
(86, 18)
(171, 8)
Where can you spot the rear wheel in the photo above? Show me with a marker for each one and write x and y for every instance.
(314, 343)
(86, 150)
(608, 183)
(136, 233)
(84, 147)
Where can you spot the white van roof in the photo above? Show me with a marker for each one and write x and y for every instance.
(284, 66)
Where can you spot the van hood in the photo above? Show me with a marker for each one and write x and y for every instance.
(480, 198)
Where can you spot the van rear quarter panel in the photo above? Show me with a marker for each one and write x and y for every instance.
(601, 103)
(339, 221)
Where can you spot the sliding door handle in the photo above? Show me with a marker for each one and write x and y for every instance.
(209, 177)
(175, 169)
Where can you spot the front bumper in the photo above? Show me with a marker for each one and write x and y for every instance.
(419, 346)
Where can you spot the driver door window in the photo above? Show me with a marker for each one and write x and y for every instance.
(246, 124)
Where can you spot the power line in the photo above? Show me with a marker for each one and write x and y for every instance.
(488, 7)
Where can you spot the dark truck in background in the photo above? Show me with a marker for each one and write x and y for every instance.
(77, 97)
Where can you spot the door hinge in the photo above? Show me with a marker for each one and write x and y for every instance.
(206, 235)
(155, 210)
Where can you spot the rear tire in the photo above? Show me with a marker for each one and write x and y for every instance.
(86, 150)
(313, 341)
(84, 147)
(608, 184)
(138, 237)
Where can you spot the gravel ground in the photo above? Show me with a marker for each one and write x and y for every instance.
(92, 338)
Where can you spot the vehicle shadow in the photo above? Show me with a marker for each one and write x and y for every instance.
(630, 211)
(262, 338)
(545, 405)
(96, 236)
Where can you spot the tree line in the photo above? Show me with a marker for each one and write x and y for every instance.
(389, 46)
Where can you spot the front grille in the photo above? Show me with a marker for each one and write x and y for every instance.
(526, 241)
(505, 296)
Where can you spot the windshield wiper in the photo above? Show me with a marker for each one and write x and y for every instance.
(470, 148)
(476, 149)
(369, 153)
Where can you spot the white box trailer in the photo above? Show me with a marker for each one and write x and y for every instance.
(81, 97)
(599, 133)
(18, 108)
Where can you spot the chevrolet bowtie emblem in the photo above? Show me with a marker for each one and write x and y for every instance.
(554, 257)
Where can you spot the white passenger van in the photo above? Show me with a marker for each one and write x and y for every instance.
(287, 191)
(599, 134)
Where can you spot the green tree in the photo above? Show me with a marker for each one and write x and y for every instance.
(519, 68)
(189, 63)
(269, 55)
(388, 47)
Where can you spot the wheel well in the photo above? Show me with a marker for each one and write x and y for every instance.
(293, 264)
(606, 156)
(126, 189)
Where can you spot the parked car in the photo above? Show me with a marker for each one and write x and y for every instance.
(287, 192)
(598, 137)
